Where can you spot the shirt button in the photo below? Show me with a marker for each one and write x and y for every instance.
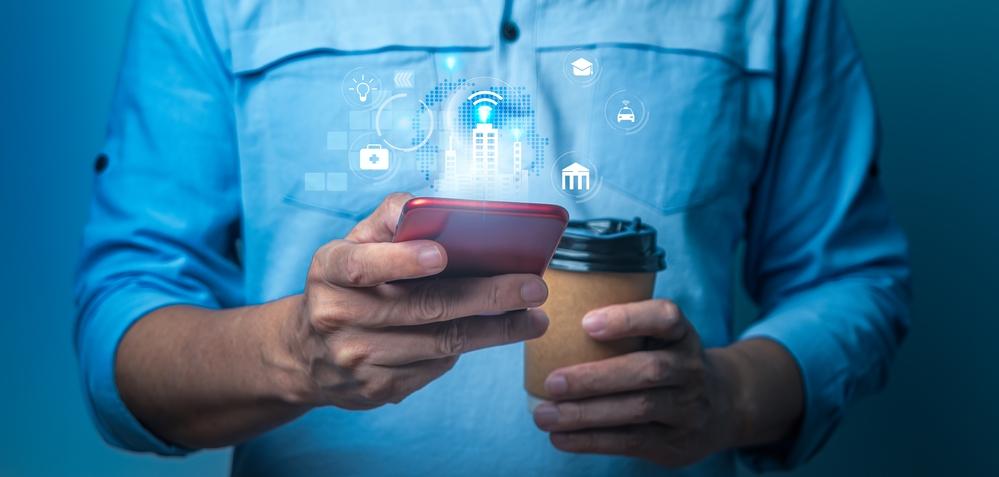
(510, 31)
(100, 163)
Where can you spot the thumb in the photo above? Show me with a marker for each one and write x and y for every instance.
(380, 225)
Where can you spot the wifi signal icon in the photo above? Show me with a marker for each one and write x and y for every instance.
(484, 102)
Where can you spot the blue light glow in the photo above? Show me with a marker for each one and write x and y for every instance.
(484, 112)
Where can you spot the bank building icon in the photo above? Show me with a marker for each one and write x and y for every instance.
(491, 174)
(575, 176)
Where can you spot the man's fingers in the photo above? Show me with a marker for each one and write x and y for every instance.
(430, 301)
(376, 385)
(408, 344)
(660, 319)
(658, 405)
(411, 378)
(349, 264)
(630, 372)
(635, 441)
(380, 225)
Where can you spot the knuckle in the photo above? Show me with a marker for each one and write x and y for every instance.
(572, 413)
(429, 305)
(317, 266)
(654, 369)
(645, 408)
(321, 260)
(510, 329)
(339, 318)
(333, 317)
(622, 319)
(350, 355)
(495, 297)
(452, 338)
(586, 381)
(355, 269)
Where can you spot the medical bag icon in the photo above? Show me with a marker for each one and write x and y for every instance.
(373, 157)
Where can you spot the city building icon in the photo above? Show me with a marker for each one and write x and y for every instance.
(450, 158)
(518, 157)
(485, 149)
(575, 176)
(488, 162)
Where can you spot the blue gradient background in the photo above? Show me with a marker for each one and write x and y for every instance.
(936, 74)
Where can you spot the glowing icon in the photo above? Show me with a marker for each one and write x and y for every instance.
(575, 176)
(625, 113)
(363, 88)
(484, 102)
(485, 138)
(373, 157)
(582, 67)
(403, 79)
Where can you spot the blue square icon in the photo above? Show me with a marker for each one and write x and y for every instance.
(315, 181)
(336, 181)
(360, 120)
(336, 141)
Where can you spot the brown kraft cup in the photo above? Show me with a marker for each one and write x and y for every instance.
(598, 262)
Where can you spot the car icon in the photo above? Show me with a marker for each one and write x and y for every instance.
(625, 113)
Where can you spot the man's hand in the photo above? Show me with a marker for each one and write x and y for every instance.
(200, 377)
(363, 339)
(675, 403)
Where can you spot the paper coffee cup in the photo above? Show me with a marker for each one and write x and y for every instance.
(598, 262)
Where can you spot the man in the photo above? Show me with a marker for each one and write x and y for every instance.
(221, 305)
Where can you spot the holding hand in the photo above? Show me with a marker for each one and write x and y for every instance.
(365, 340)
(672, 404)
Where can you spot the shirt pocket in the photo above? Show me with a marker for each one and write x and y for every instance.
(292, 107)
(702, 75)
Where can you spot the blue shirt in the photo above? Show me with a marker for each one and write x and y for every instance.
(232, 148)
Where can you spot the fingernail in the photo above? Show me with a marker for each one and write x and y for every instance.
(430, 258)
(545, 415)
(595, 323)
(539, 320)
(556, 384)
(534, 292)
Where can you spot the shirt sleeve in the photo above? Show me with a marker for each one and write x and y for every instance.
(824, 259)
(165, 214)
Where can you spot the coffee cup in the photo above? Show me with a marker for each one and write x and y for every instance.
(598, 262)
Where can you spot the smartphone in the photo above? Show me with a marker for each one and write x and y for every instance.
(485, 238)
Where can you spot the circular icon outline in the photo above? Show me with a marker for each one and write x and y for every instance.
(373, 95)
(378, 126)
(566, 159)
(370, 175)
(616, 124)
(590, 55)
(454, 99)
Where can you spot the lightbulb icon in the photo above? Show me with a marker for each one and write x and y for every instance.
(363, 88)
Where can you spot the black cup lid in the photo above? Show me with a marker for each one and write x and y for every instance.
(609, 245)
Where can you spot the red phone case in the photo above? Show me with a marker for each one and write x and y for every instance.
(484, 238)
